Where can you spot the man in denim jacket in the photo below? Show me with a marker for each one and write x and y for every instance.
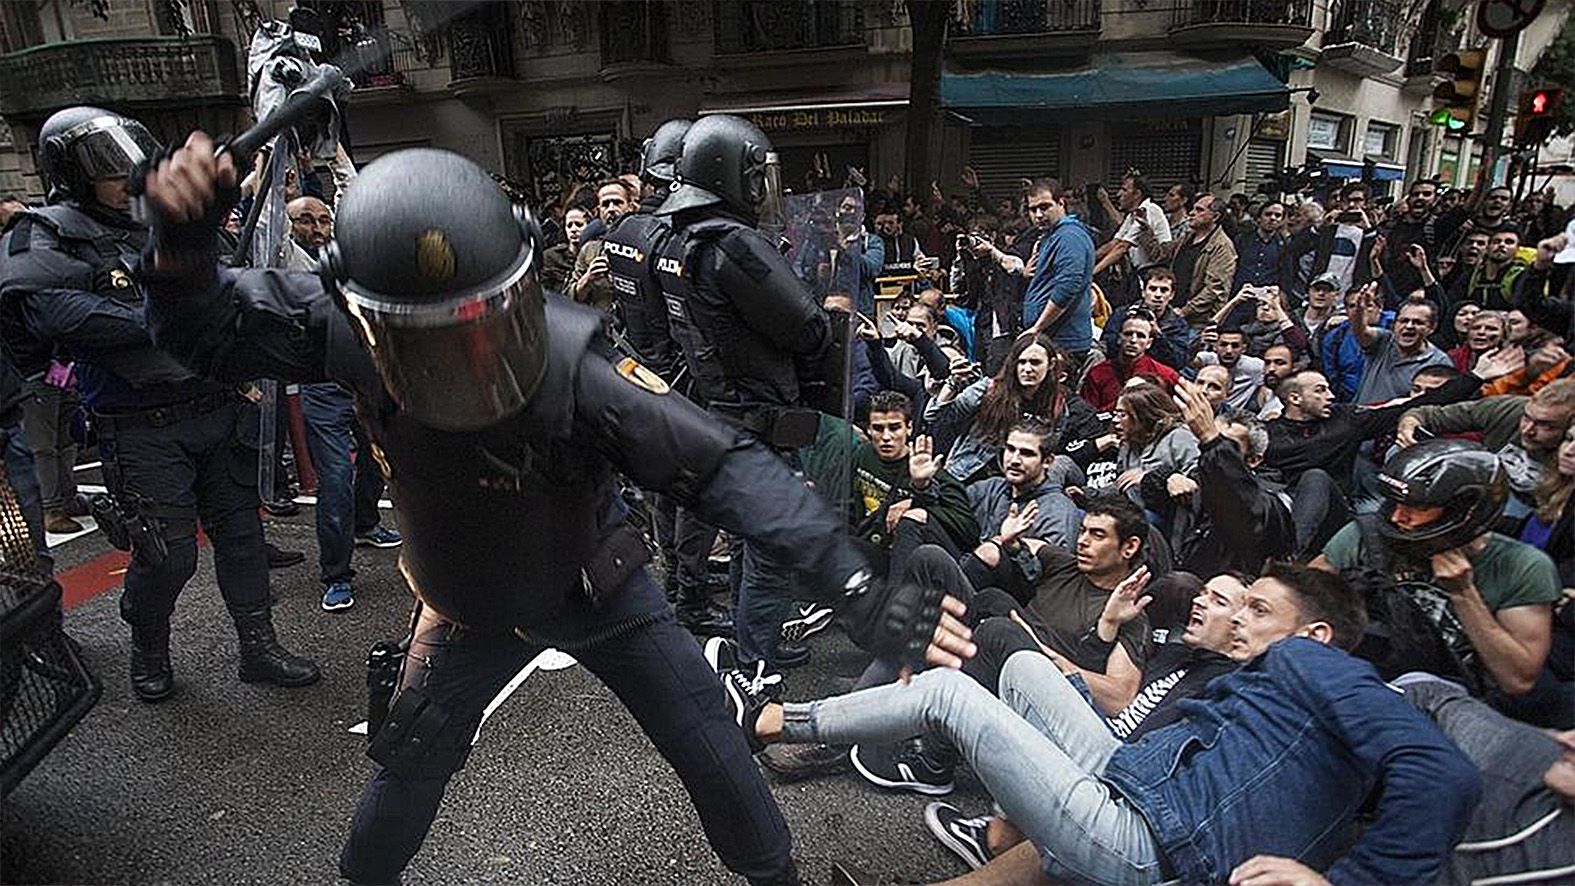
(1260, 782)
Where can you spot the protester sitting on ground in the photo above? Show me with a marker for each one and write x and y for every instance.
(1279, 364)
(1552, 529)
(896, 474)
(981, 413)
(1129, 360)
(1230, 351)
(1205, 798)
(1216, 383)
(1227, 516)
(1028, 501)
(1154, 444)
(1524, 432)
(1485, 331)
(1523, 828)
(1172, 343)
(1394, 357)
(1343, 359)
(1487, 598)
(1178, 670)
(1081, 609)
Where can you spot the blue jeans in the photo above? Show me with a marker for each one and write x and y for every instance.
(655, 668)
(1039, 749)
(24, 482)
(347, 491)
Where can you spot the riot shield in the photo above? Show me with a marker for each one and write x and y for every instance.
(823, 240)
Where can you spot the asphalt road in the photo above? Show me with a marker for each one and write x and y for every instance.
(231, 783)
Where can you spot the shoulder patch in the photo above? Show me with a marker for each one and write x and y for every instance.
(634, 373)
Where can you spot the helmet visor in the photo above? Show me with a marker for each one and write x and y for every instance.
(771, 213)
(109, 147)
(462, 363)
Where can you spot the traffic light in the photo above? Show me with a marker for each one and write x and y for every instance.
(1459, 93)
(1535, 119)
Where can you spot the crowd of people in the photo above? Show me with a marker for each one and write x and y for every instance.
(1152, 439)
(1256, 515)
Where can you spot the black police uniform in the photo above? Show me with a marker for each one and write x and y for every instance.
(755, 334)
(633, 248)
(567, 573)
(168, 439)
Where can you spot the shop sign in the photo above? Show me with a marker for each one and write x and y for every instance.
(781, 121)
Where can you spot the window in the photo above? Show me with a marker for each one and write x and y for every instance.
(1327, 132)
(1381, 140)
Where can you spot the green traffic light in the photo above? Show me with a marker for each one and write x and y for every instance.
(1442, 117)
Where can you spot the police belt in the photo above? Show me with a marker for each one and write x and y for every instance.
(163, 416)
(783, 427)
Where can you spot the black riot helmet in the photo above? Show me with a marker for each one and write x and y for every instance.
(1465, 480)
(728, 162)
(81, 144)
(438, 270)
(659, 157)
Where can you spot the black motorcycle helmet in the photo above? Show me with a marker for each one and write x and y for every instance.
(659, 157)
(81, 144)
(438, 270)
(1465, 480)
(725, 161)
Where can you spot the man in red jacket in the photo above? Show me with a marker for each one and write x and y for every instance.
(1130, 360)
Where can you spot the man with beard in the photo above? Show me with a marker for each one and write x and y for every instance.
(1279, 363)
(1414, 223)
(1468, 255)
(1246, 371)
(1495, 282)
(349, 481)
(1263, 253)
(1106, 378)
(1172, 344)
(1524, 432)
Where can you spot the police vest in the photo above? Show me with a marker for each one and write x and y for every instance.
(632, 248)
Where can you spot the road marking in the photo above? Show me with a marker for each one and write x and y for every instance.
(88, 466)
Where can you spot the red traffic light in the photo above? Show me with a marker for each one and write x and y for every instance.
(1539, 102)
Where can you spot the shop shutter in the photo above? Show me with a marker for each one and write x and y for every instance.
(1265, 160)
(1003, 155)
(1166, 152)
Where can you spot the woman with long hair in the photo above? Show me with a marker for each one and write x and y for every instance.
(1154, 440)
(1551, 527)
(981, 411)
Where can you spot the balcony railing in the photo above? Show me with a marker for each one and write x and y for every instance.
(995, 18)
(1296, 13)
(744, 26)
(480, 44)
(633, 31)
(117, 71)
(1374, 23)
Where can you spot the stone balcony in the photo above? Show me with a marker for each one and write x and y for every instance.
(126, 72)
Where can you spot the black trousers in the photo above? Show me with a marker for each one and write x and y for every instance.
(195, 468)
(1319, 509)
(657, 671)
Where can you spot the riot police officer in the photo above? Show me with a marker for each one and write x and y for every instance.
(758, 335)
(168, 439)
(492, 404)
(632, 247)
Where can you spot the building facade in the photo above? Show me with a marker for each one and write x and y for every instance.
(1220, 93)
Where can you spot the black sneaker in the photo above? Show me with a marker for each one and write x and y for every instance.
(808, 619)
(721, 654)
(964, 836)
(748, 693)
(902, 767)
(795, 762)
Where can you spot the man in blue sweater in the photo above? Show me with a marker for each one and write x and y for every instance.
(1259, 783)
(1058, 301)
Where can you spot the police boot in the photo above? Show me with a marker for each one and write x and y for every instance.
(700, 616)
(152, 679)
(788, 877)
(263, 660)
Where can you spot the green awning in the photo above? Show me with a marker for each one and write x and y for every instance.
(1116, 85)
